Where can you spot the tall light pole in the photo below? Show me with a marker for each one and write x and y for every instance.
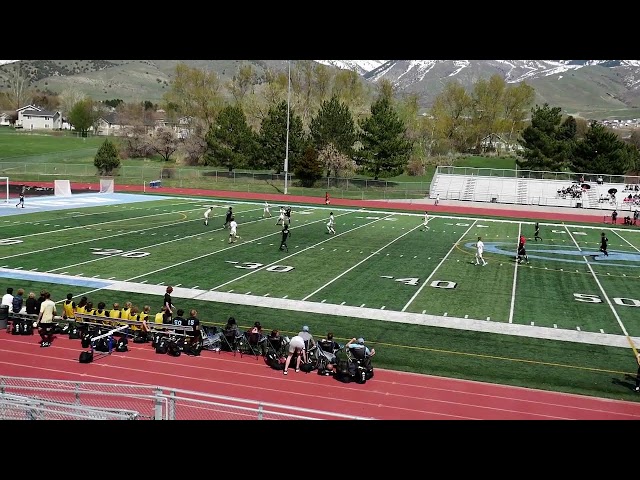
(286, 155)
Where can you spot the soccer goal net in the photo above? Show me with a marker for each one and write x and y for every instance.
(4, 189)
(106, 185)
(62, 188)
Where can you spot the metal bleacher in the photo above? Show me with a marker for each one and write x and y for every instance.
(527, 187)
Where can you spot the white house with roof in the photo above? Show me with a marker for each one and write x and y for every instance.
(5, 119)
(32, 117)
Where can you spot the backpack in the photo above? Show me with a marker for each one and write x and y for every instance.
(74, 334)
(86, 357)
(121, 346)
(162, 346)
(193, 350)
(86, 340)
(15, 329)
(26, 327)
(274, 361)
(16, 304)
(173, 348)
(307, 367)
(102, 345)
(140, 337)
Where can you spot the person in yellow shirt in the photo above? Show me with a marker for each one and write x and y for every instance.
(125, 313)
(114, 313)
(69, 308)
(101, 312)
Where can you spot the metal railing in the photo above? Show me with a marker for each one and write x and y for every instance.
(38, 399)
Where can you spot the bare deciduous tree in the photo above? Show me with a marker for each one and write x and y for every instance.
(165, 143)
(20, 93)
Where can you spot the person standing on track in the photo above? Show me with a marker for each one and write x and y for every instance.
(45, 320)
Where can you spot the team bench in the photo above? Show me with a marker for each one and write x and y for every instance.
(86, 319)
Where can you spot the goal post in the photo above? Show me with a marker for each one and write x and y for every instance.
(62, 188)
(106, 185)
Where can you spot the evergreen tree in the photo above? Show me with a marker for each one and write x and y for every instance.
(309, 168)
(107, 158)
(544, 147)
(603, 152)
(385, 147)
(230, 141)
(273, 139)
(333, 124)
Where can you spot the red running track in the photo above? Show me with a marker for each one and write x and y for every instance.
(389, 395)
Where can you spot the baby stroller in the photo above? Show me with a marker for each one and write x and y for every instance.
(211, 338)
(355, 366)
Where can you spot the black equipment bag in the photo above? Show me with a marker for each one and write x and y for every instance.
(307, 367)
(121, 346)
(193, 349)
(102, 345)
(140, 337)
(86, 340)
(274, 361)
(162, 346)
(86, 357)
(156, 338)
(15, 327)
(173, 348)
(74, 333)
(26, 327)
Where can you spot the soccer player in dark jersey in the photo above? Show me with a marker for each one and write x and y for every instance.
(536, 234)
(286, 233)
(603, 244)
(228, 218)
(287, 214)
(21, 198)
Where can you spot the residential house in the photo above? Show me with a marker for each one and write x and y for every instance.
(5, 119)
(109, 124)
(496, 143)
(32, 117)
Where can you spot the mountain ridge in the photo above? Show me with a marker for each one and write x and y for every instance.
(597, 89)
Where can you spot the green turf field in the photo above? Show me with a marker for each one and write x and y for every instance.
(414, 294)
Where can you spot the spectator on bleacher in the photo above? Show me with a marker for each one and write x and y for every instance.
(254, 336)
(88, 309)
(45, 320)
(17, 303)
(179, 318)
(32, 304)
(167, 305)
(275, 340)
(82, 305)
(7, 298)
(69, 307)
(125, 312)
(195, 336)
(354, 344)
(101, 311)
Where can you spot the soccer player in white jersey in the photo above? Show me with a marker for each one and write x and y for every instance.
(207, 214)
(479, 252)
(426, 221)
(267, 212)
(331, 223)
(233, 230)
(280, 220)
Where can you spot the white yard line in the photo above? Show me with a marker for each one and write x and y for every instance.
(360, 262)
(604, 294)
(627, 241)
(102, 237)
(515, 278)
(103, 257)
(300, 251)
(438, 266)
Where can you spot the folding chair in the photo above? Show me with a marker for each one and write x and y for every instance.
(252, 343)
(229, 340)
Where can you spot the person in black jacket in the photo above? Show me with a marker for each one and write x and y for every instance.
(32, 304)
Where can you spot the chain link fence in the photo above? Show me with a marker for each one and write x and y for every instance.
(44, 399)
(209, 178)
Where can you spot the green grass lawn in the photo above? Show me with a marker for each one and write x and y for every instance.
(378, 262)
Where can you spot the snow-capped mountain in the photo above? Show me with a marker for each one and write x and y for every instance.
(578, 84)
(359, 66)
